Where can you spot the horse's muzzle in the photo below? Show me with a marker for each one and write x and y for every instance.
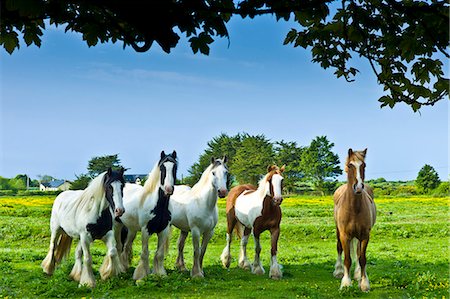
(276, 201)
(222, 193)
(119, 212)
(168, 190)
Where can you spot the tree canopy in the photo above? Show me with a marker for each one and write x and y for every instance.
(405, 42)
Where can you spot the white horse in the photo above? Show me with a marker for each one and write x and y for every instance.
(195, 210)
(147, 210)
(87, 214)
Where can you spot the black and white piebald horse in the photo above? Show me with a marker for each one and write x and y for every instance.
(88, 215)
(147, 210)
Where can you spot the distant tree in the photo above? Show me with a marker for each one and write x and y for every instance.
(252, 158)
(289, 153)
(45, 178)
(100, 164)
(319, 163)
(4, 183)
(81, 182)
(217, 147)
(427, 179)
(19, 182)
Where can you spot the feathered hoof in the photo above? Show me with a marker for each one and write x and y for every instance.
(197, 274)
(275, 273)
(364, 285)
(338, 273)
(245, 264)
(226, 259)
(258, 270)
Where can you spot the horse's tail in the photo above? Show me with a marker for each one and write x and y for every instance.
(239, 229)
(123, 236)
(62, 248)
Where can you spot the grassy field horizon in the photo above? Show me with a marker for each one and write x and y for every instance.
(408, 255)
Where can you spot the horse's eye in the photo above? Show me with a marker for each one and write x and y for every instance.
(214, 173)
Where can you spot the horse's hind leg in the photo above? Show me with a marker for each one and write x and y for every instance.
(127, 251)
(226, 253)
(275, 268)
(76, 270)
(338, 267)
(244, 263)
(158, 260)
(180, 258)
(111, 264)
(87, 275)
(206, 237)
(356, 251)
(143, 268)
(48, 264)
(364, 282)
(257, 268)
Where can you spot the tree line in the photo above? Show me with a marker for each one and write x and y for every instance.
(313, 166)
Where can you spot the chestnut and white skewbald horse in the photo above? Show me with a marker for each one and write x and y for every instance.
(255, 209)
(354, 214)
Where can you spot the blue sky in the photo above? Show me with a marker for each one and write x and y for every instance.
(65, 103)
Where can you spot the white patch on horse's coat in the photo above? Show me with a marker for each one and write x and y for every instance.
(338, 267)
(169, 180)
(357, 165)
(276, 183)
(117, 195)
(275, 268)
(249, 206)
(346, 281)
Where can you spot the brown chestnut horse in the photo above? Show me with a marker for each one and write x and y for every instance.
(354, 214)
(258, 209)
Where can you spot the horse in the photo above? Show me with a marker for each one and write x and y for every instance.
(147, 210)
(195, 210)
(87, 215)
(258, 209)
(354, 215)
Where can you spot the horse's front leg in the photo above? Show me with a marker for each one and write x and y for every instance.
(346, 280)
(180, 258)
(275, 268)
(257, 268)
(196, 271)
(206, 237)
(87, 275)
(158, 260)
(364, 282)
(111, 264)
(244, 263)
(225, 257)
(143, 268)
(338, 268)
(127, 251)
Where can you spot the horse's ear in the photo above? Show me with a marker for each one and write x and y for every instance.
(213, 160)
(283, 168)
(365, 151)
(225, 159)
(109, 172)
(174, 154)
(163, 154)
(350, 152)
(122, 170)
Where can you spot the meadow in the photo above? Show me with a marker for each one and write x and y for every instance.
(408, 256)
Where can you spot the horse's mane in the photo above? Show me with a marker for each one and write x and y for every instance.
(198, 187)
(151, 183)
(93, 197)
(263, 181)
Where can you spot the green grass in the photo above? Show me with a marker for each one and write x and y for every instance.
(408, 256)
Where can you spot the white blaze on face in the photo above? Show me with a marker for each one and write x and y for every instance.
(117, 195)
(276, 183)
(359, 184)
(220, 178)
(169, 180)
